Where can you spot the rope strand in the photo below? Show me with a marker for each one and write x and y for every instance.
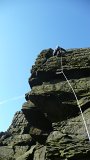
(75, 98)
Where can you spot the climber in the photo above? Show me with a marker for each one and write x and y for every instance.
(58, 51)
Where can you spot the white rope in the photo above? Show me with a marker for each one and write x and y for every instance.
(76, 99)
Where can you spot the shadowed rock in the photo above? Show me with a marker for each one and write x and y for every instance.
(50, 125)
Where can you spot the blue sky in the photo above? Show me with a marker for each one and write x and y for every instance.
(27, 27)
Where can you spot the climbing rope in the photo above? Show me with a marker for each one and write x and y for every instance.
(62, 72)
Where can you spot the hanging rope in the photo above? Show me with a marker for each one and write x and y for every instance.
(75, 98)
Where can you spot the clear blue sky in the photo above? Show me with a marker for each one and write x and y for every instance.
(27, 27)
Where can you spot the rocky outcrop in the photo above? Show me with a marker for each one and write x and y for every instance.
(51, 93)
(50, 125)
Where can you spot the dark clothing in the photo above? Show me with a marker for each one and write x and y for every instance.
(59, 51)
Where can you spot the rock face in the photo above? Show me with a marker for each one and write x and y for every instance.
(50, 125)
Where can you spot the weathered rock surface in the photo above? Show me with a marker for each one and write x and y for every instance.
(51, 93)
(50, 125)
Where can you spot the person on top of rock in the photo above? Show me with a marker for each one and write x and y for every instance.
(58, 51)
